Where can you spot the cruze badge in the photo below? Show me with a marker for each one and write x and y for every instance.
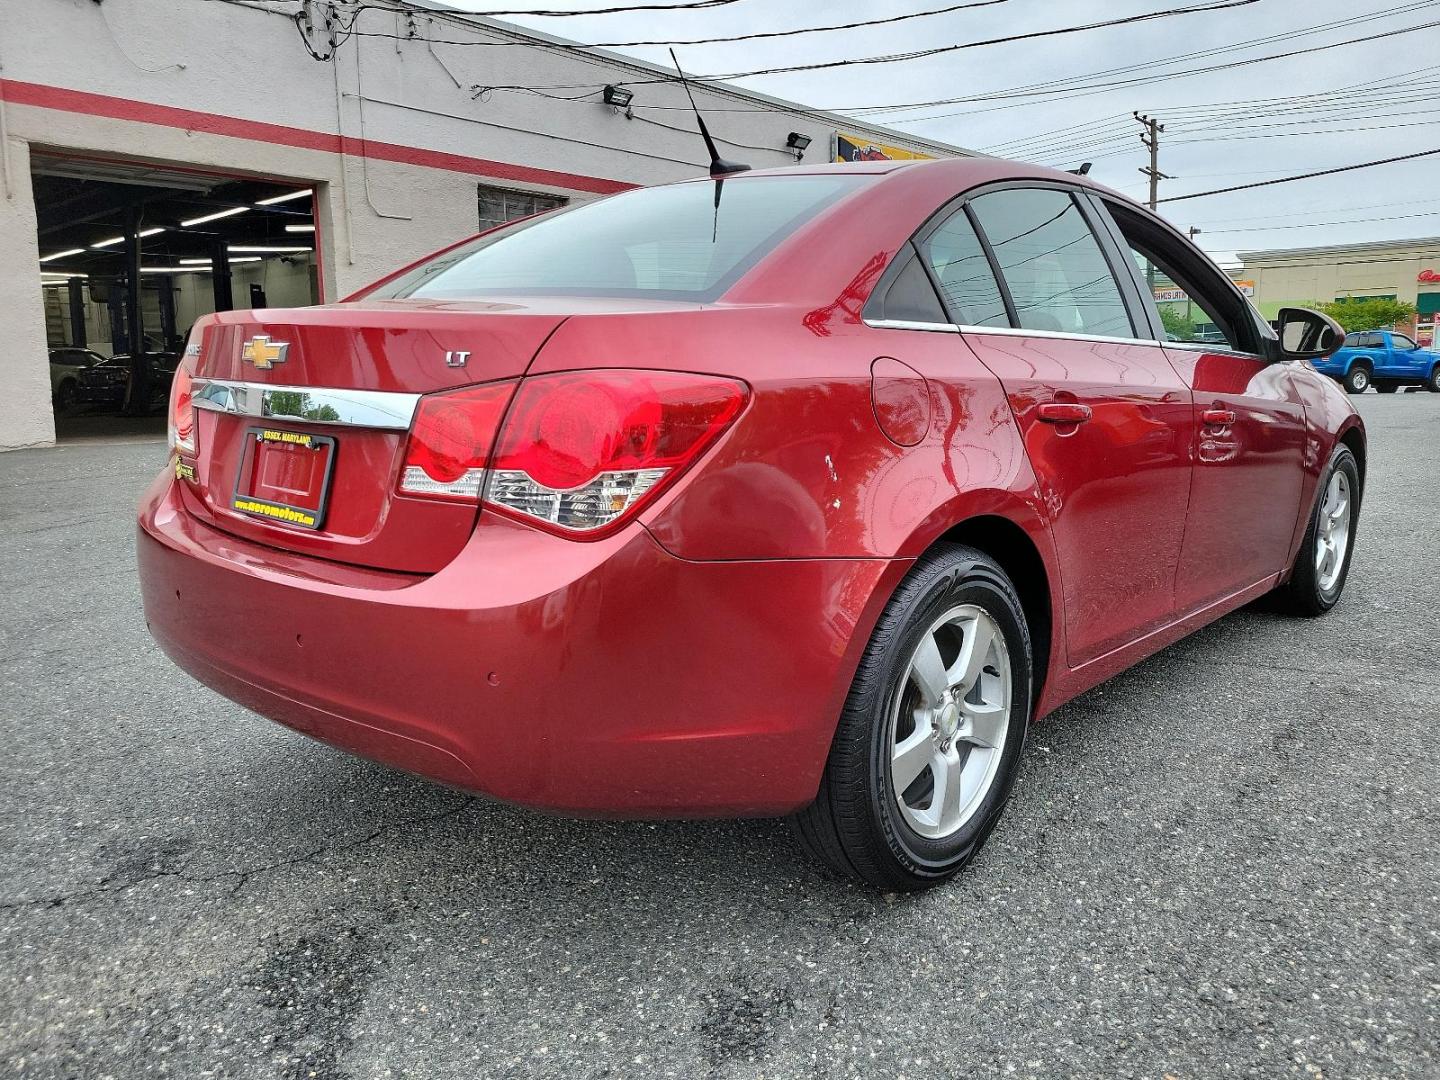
(264, 353)
(456, 358)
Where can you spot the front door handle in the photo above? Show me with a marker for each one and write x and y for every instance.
(1063, 412)
(1218, 417)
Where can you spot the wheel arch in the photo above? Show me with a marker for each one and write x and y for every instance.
(1353, 437)
(1014, 548)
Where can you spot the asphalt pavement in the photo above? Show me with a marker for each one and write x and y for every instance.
(1224, 863)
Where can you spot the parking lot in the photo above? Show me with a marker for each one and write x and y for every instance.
(1222, 863)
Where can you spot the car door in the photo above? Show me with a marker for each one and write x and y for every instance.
(1106, 420)
(1249, 423)
(1406, 358)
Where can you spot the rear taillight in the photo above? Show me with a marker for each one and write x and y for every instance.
(580, 452)
(182, 411)
(450, 441)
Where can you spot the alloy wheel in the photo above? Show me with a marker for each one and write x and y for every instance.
(1332, 532)
(951, 716)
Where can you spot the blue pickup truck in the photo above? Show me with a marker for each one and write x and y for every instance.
(1384, 359)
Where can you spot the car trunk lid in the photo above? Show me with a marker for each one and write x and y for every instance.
(302, 418)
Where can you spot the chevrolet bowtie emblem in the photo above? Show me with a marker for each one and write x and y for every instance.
(264, 353)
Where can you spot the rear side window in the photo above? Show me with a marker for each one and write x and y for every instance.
(683, 241)
(1055, 269)
(963, 272)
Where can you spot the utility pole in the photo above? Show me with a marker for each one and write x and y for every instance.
(1192, 232)
(1150, 137)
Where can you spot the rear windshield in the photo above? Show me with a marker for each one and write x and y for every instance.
(667, 242)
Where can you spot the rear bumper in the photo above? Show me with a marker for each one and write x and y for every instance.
(605, 678)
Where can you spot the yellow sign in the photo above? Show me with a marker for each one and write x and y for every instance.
(295, 437)
(270, 510)
(859, 148)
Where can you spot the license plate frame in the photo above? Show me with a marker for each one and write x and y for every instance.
(255, 466)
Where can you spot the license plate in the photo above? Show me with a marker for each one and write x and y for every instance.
(285, 477)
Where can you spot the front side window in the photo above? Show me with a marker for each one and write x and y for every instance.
(1403, 343)
(1055, 269)
(1194, 302)
(688, 241)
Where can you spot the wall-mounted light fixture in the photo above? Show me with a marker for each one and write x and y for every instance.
(618, 96)
(797, 142)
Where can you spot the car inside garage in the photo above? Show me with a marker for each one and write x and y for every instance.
(131, 255)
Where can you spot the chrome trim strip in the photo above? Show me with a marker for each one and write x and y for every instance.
(309, 404)
(1218, 348)
(1011, 331)
(904, 324)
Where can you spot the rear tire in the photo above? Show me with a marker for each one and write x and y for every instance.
(1357, 379)
(1433, 383)
(1319, 574)
(861, 825)
(1387, 387)
(65, 396)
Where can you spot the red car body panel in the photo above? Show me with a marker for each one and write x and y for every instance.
(695, 662)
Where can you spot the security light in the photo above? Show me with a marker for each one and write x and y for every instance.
(618, 96)
(797, 142)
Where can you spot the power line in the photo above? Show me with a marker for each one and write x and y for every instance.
(550, 13)
(1319, 224)
(715, 40)
(1080, 89)
(1304, 176)
(916, 54)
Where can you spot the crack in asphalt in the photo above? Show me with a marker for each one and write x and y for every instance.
(242, 876)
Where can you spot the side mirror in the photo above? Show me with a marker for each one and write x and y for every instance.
(1308, 335)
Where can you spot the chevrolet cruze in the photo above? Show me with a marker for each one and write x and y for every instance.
(802, 492)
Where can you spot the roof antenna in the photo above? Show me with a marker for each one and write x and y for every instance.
(718, 165)
(1083, 170)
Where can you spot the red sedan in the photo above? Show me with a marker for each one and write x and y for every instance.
(798, 492)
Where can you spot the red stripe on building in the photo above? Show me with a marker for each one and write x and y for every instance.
(143, 112)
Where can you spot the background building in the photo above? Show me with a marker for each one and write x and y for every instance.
(161, 161)
(1406, 270)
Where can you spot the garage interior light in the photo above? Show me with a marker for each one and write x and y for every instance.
(59, 277)
(283, 198)
(62, 255)
(299, 228)
(265, 249)
(215, 216)
(232, 262)
(120, 239)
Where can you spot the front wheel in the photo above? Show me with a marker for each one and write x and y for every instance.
(1433, 383)
(1323, 563)
(1357, 380)
(929, 741)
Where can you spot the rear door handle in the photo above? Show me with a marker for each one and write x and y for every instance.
(1063, 412)
(1218, 417)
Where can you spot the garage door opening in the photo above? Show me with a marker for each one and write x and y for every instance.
(131, 255)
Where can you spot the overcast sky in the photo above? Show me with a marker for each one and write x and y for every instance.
(1401, 116)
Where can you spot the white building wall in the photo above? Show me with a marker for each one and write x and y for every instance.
(201, 84)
